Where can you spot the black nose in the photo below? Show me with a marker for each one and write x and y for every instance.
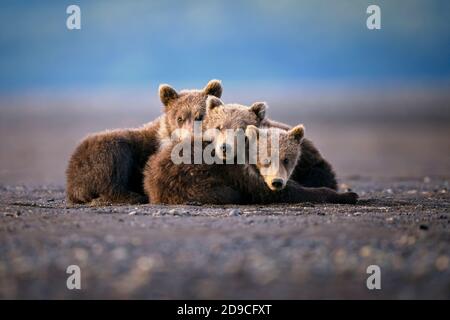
(277, 183)
(225, 147)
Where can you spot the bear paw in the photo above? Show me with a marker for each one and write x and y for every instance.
(348, 198)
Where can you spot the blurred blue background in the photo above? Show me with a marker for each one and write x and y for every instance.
(135, 43)
(375, 102)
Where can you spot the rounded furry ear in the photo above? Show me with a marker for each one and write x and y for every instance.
(251, 132)
(297, 132)
(214, 88)
(259, 108)
(213, 102)
(167, 94)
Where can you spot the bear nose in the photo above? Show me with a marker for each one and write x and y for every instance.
(277, 183)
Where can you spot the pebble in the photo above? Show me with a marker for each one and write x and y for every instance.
(442, 263)
(234, 212)
(119, 253)
(174, 212)
(426, 180)
(81, 254)
(12, 214)
(365, 251)
(423, 227)
(132, 213)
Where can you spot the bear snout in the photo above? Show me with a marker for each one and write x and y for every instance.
(277, 183)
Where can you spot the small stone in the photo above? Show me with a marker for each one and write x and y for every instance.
(423, 227)
(145, 263)
(12, 214)
(234, 212)
(426, 180)
(442, 263)
(357, 213)
(174, 212)
(390, 219)
(119, 253)
(81, 254)
(157, 213)
(389, 191)
(365, 251)
(132, 213)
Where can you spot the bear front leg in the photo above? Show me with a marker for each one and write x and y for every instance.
(295, 193)
(124, 197)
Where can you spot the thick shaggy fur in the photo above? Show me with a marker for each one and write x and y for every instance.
(107, 167)
(312, 169)
(169, 183)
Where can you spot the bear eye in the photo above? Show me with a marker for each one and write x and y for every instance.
(218, 128)
(266, 162)
(180, 119)
(285, 160)
(199, 118)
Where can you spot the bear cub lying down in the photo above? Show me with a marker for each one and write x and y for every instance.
(263, 181)
(107, 167)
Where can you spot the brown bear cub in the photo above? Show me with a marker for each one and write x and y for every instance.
(312, 170)
(107, 167)
(218, 183)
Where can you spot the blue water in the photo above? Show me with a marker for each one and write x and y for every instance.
(134, 43)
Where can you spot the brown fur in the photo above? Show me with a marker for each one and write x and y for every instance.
(312, 169)
(166, 182)
(107, 167)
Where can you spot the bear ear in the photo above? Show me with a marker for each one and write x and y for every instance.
(167, 94)
(214, 88)
(251, 132)
(297, 133)
(259, 108)
(213, 102)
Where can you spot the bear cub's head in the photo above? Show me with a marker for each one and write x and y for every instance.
(184, 107)
(275, 153)
(225, 125)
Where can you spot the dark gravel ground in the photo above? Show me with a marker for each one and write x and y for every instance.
(255, 252)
